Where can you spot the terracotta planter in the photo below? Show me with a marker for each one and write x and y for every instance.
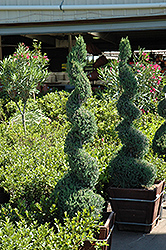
(104, 235)
(136, 209)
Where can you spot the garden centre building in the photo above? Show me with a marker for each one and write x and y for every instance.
(102, 24)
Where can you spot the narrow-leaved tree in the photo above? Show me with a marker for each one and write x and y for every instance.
(21, 73)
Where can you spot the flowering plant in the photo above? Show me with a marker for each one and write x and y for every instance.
(109, 74)
(150, 81)
(149, 78)
(21, 72)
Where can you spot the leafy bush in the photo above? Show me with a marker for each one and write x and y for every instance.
(53, 105)
(28, 168)
(32, 117)
(148, 123)
(106, 120)
(70, 235)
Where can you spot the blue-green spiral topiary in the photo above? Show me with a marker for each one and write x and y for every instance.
(159, 140)
(128, 169)
(76, 190)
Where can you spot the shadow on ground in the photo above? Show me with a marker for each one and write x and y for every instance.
(155, 240)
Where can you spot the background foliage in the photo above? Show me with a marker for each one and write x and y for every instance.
(149, 78)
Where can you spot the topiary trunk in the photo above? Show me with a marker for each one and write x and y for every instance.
(128, 169)
(159, 141)
(76, 190)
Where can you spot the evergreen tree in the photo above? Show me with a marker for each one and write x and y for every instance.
(128, 169)
(75, 191)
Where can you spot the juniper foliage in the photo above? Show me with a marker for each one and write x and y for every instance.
(75, 191)
(128, 169)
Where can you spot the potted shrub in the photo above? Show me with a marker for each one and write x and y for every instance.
(137, 206)
(76, 190)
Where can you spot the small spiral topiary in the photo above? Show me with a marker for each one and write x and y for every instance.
(159, 140)
(128, 169)
(75, 191)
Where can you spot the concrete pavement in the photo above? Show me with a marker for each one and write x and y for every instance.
(155, 240)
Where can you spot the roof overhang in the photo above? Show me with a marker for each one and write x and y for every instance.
(145, 32)
(104, 25)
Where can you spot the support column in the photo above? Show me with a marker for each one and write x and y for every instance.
(70, 41)
(0, 48)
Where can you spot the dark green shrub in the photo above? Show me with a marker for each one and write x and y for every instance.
(159, 141)
(128, 169)
(75, 191)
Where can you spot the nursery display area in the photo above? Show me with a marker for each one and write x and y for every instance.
(61, 151)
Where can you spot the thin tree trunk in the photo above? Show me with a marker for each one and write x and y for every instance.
(22, 115)
(23, 118)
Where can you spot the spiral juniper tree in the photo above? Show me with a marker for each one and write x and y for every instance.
(159, 140)
(76, 190)
(128, 169)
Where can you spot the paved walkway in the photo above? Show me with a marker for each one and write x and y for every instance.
(155, 240)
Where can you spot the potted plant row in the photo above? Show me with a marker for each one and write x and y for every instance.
(134, 195)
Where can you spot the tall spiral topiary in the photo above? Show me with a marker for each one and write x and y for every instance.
(128, 169)
(75, 191)
(159, 140)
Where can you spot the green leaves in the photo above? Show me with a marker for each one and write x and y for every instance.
(21, 73)
(125, 49)
(149, 78)
(70, 235)
(28, 168)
